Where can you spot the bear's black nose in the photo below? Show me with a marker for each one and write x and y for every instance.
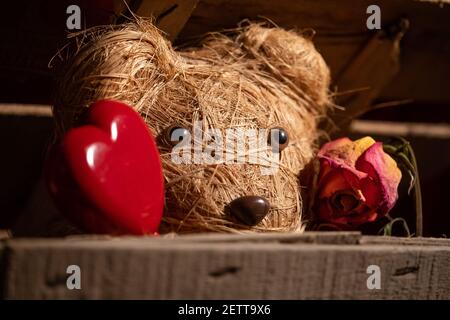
(249, 209)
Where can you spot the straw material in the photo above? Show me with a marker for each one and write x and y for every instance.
(257, 77)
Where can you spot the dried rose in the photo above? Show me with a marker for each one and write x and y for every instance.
(357, 182)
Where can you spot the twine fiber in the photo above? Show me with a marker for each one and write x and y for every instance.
(256, 77)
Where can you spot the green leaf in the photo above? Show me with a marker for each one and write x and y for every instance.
(387, 229)
(401, 151)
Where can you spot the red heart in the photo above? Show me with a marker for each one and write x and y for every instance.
(106, 174)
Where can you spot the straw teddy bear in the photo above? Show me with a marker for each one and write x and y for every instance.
(260, 90)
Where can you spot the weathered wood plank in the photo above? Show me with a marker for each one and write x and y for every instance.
(403, 129)
(420, 241)
(342, 32)
(23, 110)
(282, 238)
(372, 69)
(167, 269)
(331, 237)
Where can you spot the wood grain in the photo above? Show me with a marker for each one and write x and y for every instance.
(341, 33)
(166, 269)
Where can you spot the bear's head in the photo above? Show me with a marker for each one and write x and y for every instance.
(235, 117)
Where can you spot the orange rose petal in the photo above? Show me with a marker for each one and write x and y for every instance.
(344, 152)
(334, 181)
(361, 145)
(371, 190)
(325, 168)
(384, 171)
(324, 210)
(338, 144)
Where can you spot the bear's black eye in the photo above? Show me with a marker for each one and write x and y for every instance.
(175, 134)
(278, 139)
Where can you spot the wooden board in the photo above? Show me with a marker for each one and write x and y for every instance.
(228, 267)
(341, 33)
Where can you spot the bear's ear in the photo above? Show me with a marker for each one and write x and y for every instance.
(113, 62)
(291, 56)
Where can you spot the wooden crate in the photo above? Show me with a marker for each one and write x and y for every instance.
(269, 266)
(325, 265)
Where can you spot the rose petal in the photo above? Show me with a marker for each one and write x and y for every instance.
(340, 179)
(344, 152)
(359, 219)
(324, 210)
(361, 145)
(334, 181)
(325, 168)
(337, 144)
(371, 191)
(326, 214)
(384, 172)
(345, 202)
(330, 165)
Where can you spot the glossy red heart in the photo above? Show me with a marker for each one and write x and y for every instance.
(106, 174)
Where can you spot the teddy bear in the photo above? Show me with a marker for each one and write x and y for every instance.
(259, 87)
